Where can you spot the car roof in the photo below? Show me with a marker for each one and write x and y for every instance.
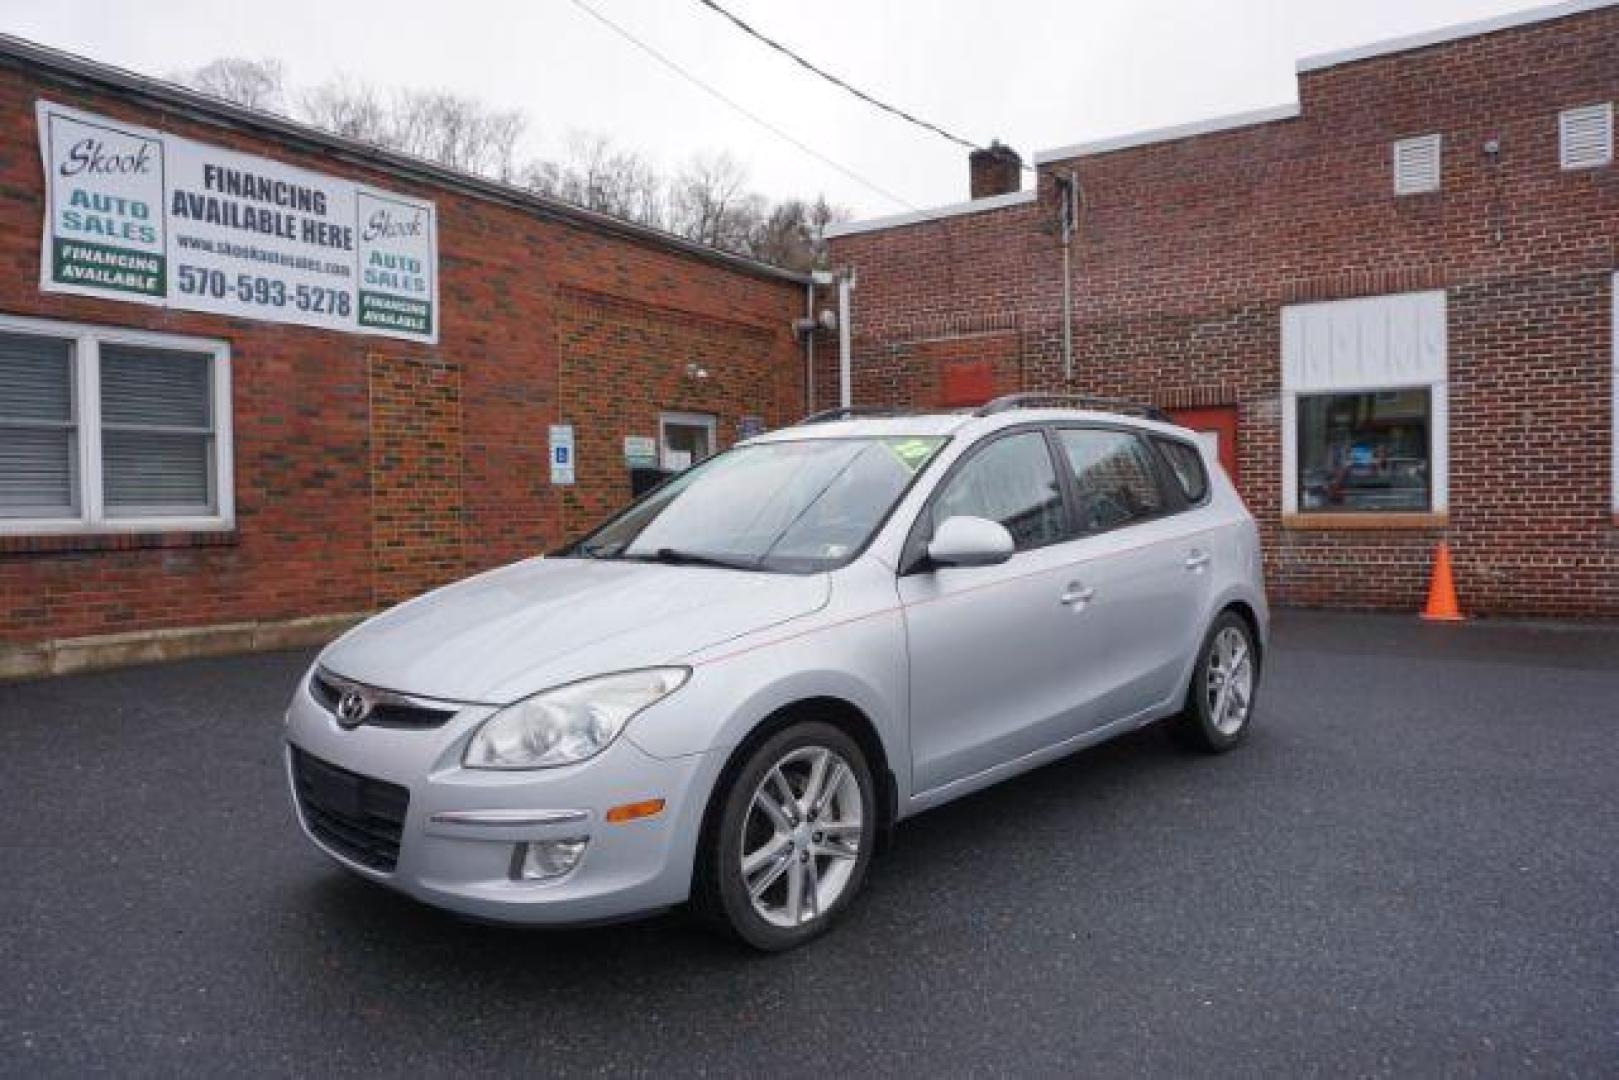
(925, 424)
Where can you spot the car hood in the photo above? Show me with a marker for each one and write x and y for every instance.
(503, 635)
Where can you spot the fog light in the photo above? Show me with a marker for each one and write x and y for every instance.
(547, 860)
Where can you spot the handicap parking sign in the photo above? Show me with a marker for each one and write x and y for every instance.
(561, 453)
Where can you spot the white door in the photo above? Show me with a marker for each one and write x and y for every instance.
(684, 439)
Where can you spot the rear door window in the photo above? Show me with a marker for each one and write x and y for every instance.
(1115, 480)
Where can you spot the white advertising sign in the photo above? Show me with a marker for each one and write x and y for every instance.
(562, 453)
(139, 215)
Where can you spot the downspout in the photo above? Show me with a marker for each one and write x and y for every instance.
(809, 345)
(1070, 211)
(845, 284)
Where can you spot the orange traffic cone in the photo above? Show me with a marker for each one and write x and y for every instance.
(1442, 606)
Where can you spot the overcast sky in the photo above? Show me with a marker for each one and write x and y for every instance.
(1035, 73)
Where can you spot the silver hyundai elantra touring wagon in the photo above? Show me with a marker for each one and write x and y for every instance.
(730, 692)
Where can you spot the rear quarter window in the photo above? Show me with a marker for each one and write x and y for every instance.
(1187, 466)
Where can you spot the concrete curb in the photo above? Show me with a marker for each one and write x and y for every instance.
(66, 656)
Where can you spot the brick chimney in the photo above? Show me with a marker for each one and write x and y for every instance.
(995, 171)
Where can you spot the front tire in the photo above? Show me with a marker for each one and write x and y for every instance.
(790, 846)
(1220, 700)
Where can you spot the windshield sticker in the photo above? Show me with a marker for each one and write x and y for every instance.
(912, 453)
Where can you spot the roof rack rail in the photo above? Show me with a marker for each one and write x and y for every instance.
(1009, 402)
(849, 412)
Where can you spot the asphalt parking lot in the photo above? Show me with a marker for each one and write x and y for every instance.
(1411, 868)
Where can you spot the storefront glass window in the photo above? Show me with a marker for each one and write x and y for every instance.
(1365, 452)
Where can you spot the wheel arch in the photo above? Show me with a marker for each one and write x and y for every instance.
(842, 714)
(1245, 611)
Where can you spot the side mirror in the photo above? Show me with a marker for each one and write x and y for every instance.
(970, 541)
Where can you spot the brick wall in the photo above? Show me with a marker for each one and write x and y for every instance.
(365, 468)
(416, 486)
(1187, 251)
(624, 362)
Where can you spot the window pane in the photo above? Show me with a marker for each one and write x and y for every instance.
(1187, 465)
(36, 380)
(156, 472)
(1115, 478)
(1364, 451)
(1010, 481)
(36, 472)
(154, 388)
(37, 438)
(149, 467)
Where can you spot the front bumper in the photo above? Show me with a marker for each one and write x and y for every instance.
(462, 831)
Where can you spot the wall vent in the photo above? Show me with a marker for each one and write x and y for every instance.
(1585, 136)
(1416, 165)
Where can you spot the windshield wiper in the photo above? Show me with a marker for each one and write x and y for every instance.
(676, 557)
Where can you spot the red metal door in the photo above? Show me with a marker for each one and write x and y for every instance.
(1217, 425)
(966, 382)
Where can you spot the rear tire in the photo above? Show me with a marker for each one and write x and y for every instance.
(1225, 681)
(789, 846)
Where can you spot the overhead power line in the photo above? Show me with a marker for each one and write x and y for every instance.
(738, 107)
(836, 81)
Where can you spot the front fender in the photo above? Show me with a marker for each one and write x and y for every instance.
(856, 658)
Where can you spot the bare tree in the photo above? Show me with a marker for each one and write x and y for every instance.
(710, 203)
(457, 131)
(257, 84)
(350, 109)
(793, 233)
(452, 130)
(818, 215)
(601, 176)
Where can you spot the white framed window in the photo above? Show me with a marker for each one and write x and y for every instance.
(1416, 165)
(1366, 406)
(111, 430)
(685, 438)
(1585, 136)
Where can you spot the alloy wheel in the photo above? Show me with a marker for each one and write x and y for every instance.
(801, 837)
(1229, 680)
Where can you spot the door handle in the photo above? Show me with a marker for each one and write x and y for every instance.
(1197, 560)
(1076, 595)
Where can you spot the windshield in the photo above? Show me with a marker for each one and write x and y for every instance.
(787, 506)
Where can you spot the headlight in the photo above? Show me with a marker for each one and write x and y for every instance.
(568, 724)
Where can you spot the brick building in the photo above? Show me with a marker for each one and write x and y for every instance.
(1392, 305)
(175, 481)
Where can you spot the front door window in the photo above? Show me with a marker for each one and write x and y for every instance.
(1012, 482)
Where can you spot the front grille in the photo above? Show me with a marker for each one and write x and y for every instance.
(359, 818)
(387, 709)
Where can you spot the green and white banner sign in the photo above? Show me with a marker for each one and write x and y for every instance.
(140, 215)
